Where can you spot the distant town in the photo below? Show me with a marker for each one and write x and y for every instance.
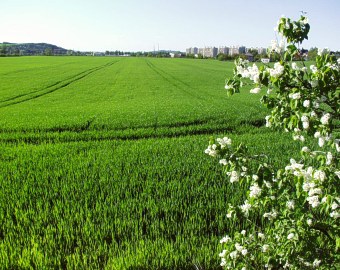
(222, 53)
(213, 52)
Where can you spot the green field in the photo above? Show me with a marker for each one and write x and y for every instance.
(103, 164)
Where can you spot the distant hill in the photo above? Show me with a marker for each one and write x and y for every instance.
(7, 49)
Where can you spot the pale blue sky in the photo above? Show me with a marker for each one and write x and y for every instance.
(139, 25)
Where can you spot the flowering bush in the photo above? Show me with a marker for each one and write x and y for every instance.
(294, 211)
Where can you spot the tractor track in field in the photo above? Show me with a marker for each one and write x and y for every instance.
(83, 134)
(182, 85)
(52, 87)
(113, 137)
(173, 80)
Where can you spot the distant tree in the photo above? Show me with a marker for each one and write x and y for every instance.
(312, 53)
(16, 51)
(224, 57)
(48, 52)
(3, 50)
(253, 52)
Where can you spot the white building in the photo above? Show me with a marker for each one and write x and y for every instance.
(233, 50)
(192, 50)
(223, 50)
(210, 52)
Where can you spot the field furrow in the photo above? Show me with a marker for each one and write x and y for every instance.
(51, 88)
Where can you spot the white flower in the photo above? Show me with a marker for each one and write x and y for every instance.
(255, 191)
(321, 141)
(337, 173)
(313, 114)
(265, 248)
(229, 214)
(323, 51)
(270, 215)
(295, 95)
(307, 186)
(305, 125)
(223, 262)
(304, 118)
(261, 235)
(223, 162)
(337, 145)
(332, 66)
(306, 103)
(295, 66)
(269, 266)
(313, 68)
(316, 263)
(290, 204)
(329, 158)
(243, 232)
(277, 47)
(297, 137)
(244, 252)
(225, 239)
(325, 119)
(255, 177)
(234, 177)
(224, 142)
(268, 184)
(277, 71)
(314, 83)
(305, 149)
(294, 166)
(233, 255)
(268, 124)
(287, 265)
(319, 175)
(227, 87)
(223, 253)
(315, 191)
(248, 72)
(334, 205)
(238, 247)
(245, 207)
(314, 201)
(290, 236)
(317, 135)
(211, 150)
(255, 90)
(335, 214)
(309, 222)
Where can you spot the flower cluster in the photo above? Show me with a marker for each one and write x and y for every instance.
(296, 209)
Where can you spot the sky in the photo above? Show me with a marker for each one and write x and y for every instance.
(145, 25)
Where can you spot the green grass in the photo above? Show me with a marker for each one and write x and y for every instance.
(102, 163)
